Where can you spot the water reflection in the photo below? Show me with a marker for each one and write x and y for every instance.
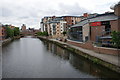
(80, 63)
(0, 60)
(33, 58)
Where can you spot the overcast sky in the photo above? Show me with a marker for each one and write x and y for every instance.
(30, 12)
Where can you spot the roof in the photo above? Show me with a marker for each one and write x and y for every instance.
(97, 18)
(104, 17)
(72, 16)
(80, 23)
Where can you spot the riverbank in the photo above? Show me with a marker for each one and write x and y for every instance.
(6, 41)
(109, 61)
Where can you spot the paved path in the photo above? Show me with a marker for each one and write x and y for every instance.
(105, 57)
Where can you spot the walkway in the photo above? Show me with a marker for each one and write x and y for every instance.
(105, 57)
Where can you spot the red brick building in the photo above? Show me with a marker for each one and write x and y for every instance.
(2, 32)
(23, 28)
(99, 26)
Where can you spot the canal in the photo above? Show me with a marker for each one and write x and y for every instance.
(32, 58)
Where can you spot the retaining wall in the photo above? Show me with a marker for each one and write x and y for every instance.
(90, 46)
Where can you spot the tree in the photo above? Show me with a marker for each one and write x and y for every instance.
(9, 32)
(64, 33)
(42, 33)
(116, 38)
(16, 31)
(45, 33)
(39, 33)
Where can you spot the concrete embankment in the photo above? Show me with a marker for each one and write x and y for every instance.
(6, 41)
(109, 61)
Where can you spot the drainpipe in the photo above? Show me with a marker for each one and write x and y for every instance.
(89, 29)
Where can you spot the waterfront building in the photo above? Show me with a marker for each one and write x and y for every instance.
(64, 21)
(97, 28)
(71, 20)
(43, 23)
(2, 32)
(56, 27)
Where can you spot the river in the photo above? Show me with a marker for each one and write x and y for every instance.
(32, 58)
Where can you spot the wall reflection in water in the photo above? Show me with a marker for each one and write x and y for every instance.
(0, 60)
(80, 63)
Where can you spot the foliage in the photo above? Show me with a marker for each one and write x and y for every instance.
(64, 33)
(42, 33)
(116, 38)
(9, 32)
(16, 31)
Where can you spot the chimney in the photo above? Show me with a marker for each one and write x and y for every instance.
(54, 17)
(85, 15)
(117, 13)
(117, 9)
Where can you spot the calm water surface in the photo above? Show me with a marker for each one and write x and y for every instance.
(32, 58)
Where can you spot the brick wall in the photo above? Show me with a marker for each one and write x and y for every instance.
(96, 31)
(114, 25)
(106, 50)
(90, 46)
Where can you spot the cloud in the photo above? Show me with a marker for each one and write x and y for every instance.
(74, 9)
(30, 12)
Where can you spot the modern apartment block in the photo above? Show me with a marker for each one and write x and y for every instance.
(55, 26)
(96, 28)
(71, 20)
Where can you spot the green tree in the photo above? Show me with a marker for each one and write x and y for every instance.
(9, 32)
(45, 33)
(39, 33)
(42, 33)
(16, 31)
(64, 33)
(116, 38)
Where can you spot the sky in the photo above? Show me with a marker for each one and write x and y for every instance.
(30, 12)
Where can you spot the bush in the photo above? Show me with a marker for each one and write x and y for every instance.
(116, 38)
(42, 33)
(64, 33)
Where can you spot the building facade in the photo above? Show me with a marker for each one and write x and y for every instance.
(66, 22)
(23, 27)
(97, 28)
(2, 32)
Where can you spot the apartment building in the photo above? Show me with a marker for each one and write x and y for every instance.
(71, 20)
(97, 28)
(56, 27)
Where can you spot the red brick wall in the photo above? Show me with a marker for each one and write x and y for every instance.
(117, 10)
(106, 50)
(87, 45)
(114, 25)
(90, 46)
(96, 31)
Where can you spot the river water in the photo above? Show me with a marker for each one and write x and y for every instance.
(32, 58)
